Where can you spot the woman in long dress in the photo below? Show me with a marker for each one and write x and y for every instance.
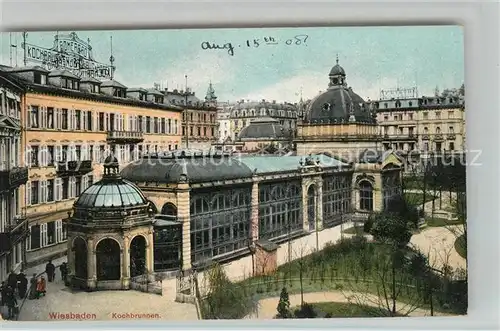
(33, 287)
(41, 287)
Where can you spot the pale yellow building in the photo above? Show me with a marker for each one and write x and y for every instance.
(69, 126)
(422, 125)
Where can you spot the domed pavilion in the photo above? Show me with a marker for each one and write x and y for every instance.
(337, 121)
(110, 233)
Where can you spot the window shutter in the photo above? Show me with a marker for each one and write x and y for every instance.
(85, 152)
(28, 116)
(28, 154)
(58, 231)
(27, 193)
(72, 184)
(94, 121)
(57, 189)
(40, 193)
(42, 117)
(43, 235)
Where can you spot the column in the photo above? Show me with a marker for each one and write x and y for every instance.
(377, 193)
(91, 265)
(125, 260)
(305, 220)
(254, 216)
(150, 262)
(319, 203)
(183, 214)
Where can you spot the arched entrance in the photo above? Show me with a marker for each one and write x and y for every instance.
(137, 256)
(311, 207)
(108, 260)
(80, 251)
(365, 196)
(169, 209)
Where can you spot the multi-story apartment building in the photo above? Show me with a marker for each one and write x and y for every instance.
(71, 125)
(13, 176)
(199, 117)
(224, 123)
(243, 112)
(418, 126)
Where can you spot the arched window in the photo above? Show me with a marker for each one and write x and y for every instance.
(169, 209)
(426, 130)
(365, 196)
(438, 129)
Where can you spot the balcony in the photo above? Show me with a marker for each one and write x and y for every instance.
(73, 168)
(400, 137)
(438, 137)
(451, 136)
(16, 231)
(425, 137)
(124, 137)
(12, 178)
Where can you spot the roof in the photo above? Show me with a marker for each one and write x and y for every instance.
(91, 80)
(30, 68)
(116, 193)
(112, 83)
(154, 92)
(263, 128)
(272, 164)
(195, 169)
(63, 73)
(201, 169)
(337, 70)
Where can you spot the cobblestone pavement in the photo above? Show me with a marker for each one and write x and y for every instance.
(267, 307)
(106, 305)
(439, 244)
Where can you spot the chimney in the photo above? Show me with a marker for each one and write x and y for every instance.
(274, 101)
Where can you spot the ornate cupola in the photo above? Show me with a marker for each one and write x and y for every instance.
(337, 75)
(111, 225)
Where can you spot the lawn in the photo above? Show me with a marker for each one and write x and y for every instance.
(357, 229)
(417, 199)
(461, 246)
(437, 222)
(342, 309)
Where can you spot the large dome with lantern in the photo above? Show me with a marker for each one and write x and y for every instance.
(339, 103)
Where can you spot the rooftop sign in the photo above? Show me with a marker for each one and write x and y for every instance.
(71, 53)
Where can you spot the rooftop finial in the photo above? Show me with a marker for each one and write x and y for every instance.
(337, 58)
(112, 58)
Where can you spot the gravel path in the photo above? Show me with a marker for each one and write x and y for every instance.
(267, 307)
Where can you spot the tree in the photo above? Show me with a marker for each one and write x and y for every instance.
(225, 300)
(284, 305)
(391, 229)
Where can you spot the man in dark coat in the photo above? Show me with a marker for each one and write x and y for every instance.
(3, 290)
(64, 271)
(11, 302)
(12, 280)
(22, 285)
(50, 269)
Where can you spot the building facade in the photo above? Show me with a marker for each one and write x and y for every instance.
(13, 176)
(199, 118)
(71, 124)
(421, 125)
(217, 208)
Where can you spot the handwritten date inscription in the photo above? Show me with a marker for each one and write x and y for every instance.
(298, 40)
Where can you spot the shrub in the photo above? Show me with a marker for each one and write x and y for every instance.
(305, 311)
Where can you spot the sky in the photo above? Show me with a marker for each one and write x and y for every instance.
(374, 58)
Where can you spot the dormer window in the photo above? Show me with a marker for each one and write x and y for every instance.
(96, 88)
(69, 83)
(158, 99)
(119, 93)
(40, 78)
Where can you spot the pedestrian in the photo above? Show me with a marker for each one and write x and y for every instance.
(3, 290)
(50, 269)
(11, 303)
(41, 287)
(12, 279)
(22, 284)
(33, 287)
(64, 271)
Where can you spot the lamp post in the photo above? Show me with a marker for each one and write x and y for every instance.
(187, 112)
